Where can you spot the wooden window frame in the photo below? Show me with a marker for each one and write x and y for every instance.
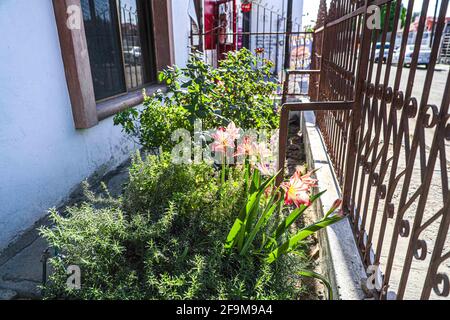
(86, 111)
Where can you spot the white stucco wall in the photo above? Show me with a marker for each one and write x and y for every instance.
(42, 156)
(281, 7)
(181, 24)
(181, 30)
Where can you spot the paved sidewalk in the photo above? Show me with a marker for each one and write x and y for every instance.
(20, 264)
(434, 204)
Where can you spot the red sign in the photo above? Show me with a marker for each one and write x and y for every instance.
(246, 7)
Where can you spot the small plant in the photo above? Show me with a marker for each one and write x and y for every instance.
(239, 91)
(253, 233)
(256, 231)
(264, 200)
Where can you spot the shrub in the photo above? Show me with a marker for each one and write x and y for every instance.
(239, 90)
(165, 240)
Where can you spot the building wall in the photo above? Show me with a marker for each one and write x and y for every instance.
(263, 21)
(281, 5)
(42, 156)
(181, 30)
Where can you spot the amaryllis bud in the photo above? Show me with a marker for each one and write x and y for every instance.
(337, 204)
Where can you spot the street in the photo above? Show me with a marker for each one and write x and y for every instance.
(435, 200)
(436, 92)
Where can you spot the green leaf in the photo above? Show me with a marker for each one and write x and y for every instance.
(247, 175)
(253, 208)
(161, 77)
(284, 226)
(311, 274)
(237, 233)
(256, 181)
(261, 222)
(186, 84)
(293, 242)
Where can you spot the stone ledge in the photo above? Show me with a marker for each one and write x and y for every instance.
(6, 294)
(340, 257)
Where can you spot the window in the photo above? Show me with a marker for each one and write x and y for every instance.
(120, 45)
(116, 50)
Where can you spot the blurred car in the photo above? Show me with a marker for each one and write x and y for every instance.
(424, 56)
(387, 46)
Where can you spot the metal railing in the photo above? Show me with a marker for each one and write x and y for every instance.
(266, 31)
(386, 126)
(387, 132)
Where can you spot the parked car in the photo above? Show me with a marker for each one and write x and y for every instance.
(387, 46)
(424, 56)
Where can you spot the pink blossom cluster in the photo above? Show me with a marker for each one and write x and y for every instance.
(224, 141)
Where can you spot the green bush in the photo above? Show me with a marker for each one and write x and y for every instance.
(165, 240)
(239, 91)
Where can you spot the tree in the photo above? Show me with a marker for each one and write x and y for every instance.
(392, 16)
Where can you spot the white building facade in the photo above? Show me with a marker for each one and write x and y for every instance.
(43, 155)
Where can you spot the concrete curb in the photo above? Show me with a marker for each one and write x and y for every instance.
(341, 260)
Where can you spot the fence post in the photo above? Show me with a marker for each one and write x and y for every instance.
(356, 116)
(287, 50)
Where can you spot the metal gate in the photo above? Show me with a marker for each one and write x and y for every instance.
(263, 30)
(386, 127)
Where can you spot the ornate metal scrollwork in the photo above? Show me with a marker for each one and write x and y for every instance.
(434, 116)
(370, 90)
(441, 285)
(390, 175)
(391, 210)
(399, 100)
(367, 166)
(379, 91)
(412, 108)
(404, 229)
(382, 192)
(420, 252)
(389, 95)
(375, 179)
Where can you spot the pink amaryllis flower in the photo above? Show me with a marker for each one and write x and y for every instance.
(306, 179)
(246, 147)
(233, 131)
(222, 141)
(261, 151)
(298, 188)
(275, 139)
(296, 193)
(266, 169)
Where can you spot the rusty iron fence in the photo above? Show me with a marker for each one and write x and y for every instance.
(384, 120)
(386, 127)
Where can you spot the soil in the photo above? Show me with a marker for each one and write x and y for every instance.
(296, 157)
